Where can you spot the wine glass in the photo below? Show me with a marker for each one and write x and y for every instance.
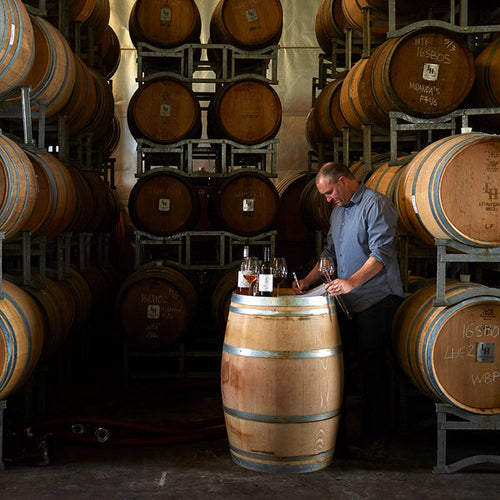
(280, 272)
(326, 269)
(250, 270)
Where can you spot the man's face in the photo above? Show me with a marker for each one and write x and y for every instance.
(334, 191)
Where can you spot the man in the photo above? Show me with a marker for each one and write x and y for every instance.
(361, 241)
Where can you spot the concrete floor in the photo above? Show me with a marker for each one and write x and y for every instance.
(204, 469)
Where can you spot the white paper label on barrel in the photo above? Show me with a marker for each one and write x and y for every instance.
(252, 15)
(153, 311)
(265, 282)
(164, 204)
(485, 352)
(242, 282)
(165, 110)
(12, 34)
(166, 15)
(248, 204)
(431, 72)
(414, 203)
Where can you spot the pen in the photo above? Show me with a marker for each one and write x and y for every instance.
(296, 280)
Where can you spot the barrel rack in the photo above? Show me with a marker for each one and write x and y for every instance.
(183, 241)
(418, 131)
(452, 418)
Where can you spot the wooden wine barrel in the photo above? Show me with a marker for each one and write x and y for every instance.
(282, 382)
(247, 111)
(16, 46)
(104, 107)
(245, 203)
(353, 14)
(315, 209)
(486, 90)
(330, 23)
(221, 297)
(426, 73)
(79, 291)
(105, 212)
(448, 352)
(94, 13)
(247, 24)
(18, 188)
(163, 203)
(52, 303)
(164, 110)
(385, 179)
(326, 116)
(290, 223)
(350, 104)
(449, 190)
(82, 220)
(56, 202)
(21, 338)
(81, 107)
(154, 307)
(52, 75)
(165, 24)
(359, 170)
(108, 52)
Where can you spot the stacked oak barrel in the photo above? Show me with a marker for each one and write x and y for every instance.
(49, 197)
(444, 188)
(204, 116)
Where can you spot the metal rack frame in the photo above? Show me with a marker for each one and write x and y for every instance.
(468, 421)
(467, 254)
(221, 151)
(225, 70)
(225, 241)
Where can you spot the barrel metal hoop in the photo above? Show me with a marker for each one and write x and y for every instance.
(281, 464)
(281, 314)
(262, 353)
(274, 419)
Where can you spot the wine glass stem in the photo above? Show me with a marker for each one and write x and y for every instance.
(277, 290)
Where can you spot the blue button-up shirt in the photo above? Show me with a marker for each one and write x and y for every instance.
(365, 227)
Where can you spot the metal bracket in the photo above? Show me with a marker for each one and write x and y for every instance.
(468, 254)
(469, 421)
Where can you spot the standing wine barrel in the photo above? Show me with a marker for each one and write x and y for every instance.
(247, 24)
(246, 203)
(154, 307)
(247, 111)
(163, 203)
(56, 202)
(450, 190)
(16, 46)
(330, 24)
(164, 110)
(426, 73)
(165, 24)
(316, 210)
(21, 338)
(450, 352)
(18, 188)
(282, 382)
(52, 75)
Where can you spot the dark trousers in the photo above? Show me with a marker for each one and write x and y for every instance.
(366, 341)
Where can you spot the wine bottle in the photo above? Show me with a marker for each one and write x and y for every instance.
(266, 275)
(243, 283)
